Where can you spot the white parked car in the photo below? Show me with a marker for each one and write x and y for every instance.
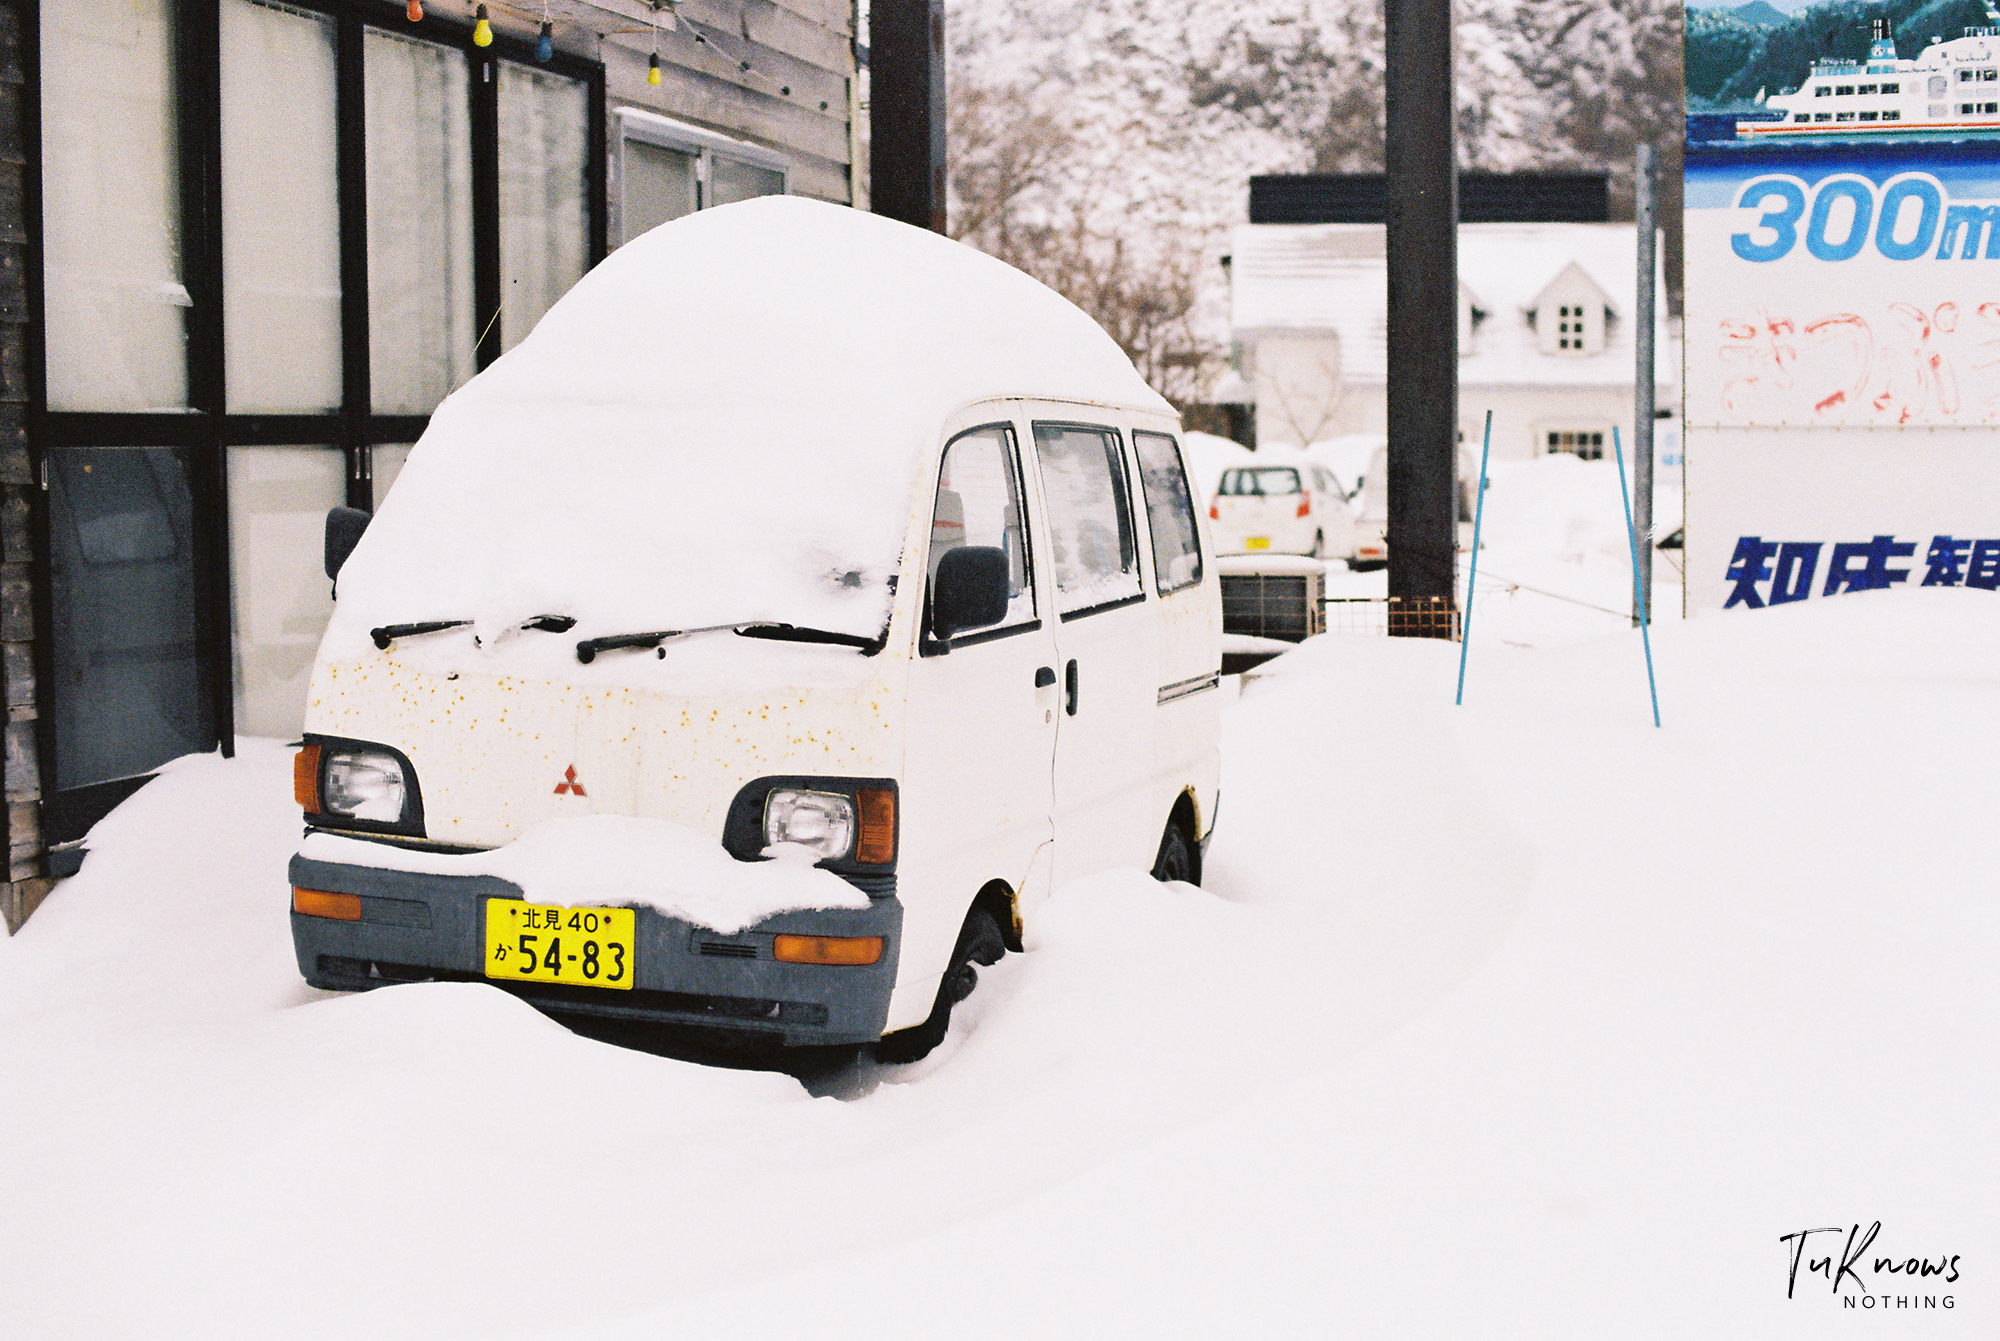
(715, 663)
(1286, 507)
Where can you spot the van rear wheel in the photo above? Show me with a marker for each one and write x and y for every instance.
(979, 944)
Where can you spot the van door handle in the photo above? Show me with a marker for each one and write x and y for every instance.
(1069, 689)
(1044, 677)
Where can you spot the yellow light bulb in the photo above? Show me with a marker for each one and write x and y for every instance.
(415, 11)
(653, 69)
(482, 30)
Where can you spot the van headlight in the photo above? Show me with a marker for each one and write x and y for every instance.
(363, 784)
(822, 821)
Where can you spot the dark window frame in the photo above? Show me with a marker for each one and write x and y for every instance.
(206, 425)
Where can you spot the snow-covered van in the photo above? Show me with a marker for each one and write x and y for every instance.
(758, 643)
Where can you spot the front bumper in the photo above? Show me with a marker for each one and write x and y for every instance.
(423, 928)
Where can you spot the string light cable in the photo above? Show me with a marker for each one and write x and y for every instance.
(663, 15)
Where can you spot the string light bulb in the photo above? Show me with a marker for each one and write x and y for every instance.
(415, 11)
(545, 46)
(482, 29)
(653, 69)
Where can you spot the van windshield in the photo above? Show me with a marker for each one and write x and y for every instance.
(646, 527)
(1251, 481)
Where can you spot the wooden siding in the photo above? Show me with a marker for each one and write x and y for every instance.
(794, 99)
(25, 886)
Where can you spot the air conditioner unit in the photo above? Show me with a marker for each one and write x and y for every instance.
(1268, 599)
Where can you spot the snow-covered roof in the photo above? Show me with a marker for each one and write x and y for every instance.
(1333, 277)
(740, 399)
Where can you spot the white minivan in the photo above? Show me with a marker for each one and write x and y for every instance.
(1292, 505)
(756, 645)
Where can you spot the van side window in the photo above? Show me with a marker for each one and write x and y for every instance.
(979, 503)
(1091, 537)
(1170, 509)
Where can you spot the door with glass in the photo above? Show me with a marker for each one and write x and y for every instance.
(1107, 643)
(130, 688)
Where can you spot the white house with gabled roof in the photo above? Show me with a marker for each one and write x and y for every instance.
(1545, 334)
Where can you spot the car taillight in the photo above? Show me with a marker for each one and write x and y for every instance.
(1215, 512)
(305, 779)
(1305, 505)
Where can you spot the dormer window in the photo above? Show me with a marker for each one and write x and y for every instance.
(1572, 328)
(1570, 314)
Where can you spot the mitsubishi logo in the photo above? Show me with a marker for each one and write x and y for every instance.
(569, 785)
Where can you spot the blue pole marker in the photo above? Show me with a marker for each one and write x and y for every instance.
(1638, 600)
(1472, 581)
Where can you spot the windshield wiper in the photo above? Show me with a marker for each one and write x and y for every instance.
(388, 633)
(800, 633)
(587, 650)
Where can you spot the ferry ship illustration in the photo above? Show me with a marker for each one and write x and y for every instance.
(1953, 86)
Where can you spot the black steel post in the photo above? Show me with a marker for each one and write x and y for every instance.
(1422, 218)
(488, 318)
(906, 111)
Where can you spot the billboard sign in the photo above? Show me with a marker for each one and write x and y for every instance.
(1843, 324)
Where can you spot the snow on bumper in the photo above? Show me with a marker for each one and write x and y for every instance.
(419, 926)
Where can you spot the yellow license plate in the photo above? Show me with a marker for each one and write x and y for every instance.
(1257, 542)
(583, 947)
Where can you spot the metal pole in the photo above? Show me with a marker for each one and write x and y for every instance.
(1472, 578)
(1422, 218)
(906, 111)
(1642, 388)
(1632, 533)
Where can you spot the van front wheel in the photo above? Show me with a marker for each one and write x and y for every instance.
(1176, 860)
(979, 944)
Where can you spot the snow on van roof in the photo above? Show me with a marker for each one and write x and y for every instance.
(721, 422)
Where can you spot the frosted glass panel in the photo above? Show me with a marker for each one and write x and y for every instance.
(111, 265)
(544, 147)
(730, 180)
(658, 186)
(420, 328)
(279, 594)
(280, 220)
(389, 459)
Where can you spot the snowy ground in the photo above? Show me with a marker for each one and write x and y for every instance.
(1520, 1019)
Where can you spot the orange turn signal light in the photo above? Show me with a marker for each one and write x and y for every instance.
(853, 950)
(876, 844)
(325, 903)
(305, 779)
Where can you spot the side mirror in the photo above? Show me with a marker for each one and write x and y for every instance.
(971, 590)
(343, 532)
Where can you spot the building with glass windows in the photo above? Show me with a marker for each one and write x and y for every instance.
(249, 247)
